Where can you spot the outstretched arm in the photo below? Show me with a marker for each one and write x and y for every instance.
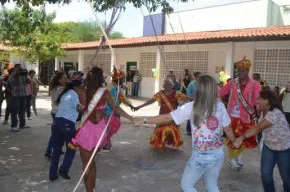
(152, 120)
(116, 108)
(148, 102)
(252, 132)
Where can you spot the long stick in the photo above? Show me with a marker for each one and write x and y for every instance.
(105, 130)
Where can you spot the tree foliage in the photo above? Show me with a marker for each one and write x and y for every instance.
(30, 32)
(104, 5)
(82, 31)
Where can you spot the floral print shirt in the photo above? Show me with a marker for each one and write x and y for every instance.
(210, 133)
(276, 137)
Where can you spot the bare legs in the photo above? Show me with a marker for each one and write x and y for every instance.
(90, 175)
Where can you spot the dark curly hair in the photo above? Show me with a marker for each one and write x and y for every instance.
(54, 82)
(272, 98)
(69, 86)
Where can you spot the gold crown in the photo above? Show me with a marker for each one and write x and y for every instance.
(244, 63)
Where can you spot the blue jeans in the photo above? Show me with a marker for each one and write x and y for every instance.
(135, 89)
(203, 163)
(268, 161)
(49, 145)
(63, 131)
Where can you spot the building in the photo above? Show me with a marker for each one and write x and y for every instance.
(239, 15)
(208, 52)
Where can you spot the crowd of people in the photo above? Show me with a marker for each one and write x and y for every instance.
(230, 115)
(19, 87)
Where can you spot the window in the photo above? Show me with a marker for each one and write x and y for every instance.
(178, 61)
(147, 63)
(273, 65)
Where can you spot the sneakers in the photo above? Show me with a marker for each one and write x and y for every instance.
(5, 122)
(47, 156)
(64, 175)
(233, 165)
(53, 179)
(14, 129)
(240, 162)
(107, 147)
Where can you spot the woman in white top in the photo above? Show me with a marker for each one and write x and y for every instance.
(209, 119)
(276, 140)
(57, 86)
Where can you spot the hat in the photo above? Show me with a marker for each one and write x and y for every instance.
(117, 74)
(244, 64)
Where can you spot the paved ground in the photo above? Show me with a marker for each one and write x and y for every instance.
(131, 166)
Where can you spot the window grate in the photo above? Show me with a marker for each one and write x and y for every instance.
(191, 60)
(273, 65)
(147, 63)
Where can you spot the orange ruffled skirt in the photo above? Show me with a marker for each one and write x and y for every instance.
(166, 134)
(239, 128)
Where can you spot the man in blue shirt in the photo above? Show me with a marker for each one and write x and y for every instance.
(190, 92)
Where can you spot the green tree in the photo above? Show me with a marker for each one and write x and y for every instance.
(82, 31)
(104, 5)
(116, 35)
(31, 33)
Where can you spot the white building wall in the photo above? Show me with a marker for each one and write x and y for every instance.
(285, 14)
(124, 55)
(217, 57)
(232, 16)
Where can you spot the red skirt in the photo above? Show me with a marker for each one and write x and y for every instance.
(240, 128)
(168, 134)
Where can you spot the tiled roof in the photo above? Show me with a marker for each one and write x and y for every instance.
(249, 34)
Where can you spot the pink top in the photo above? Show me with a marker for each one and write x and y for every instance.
(250, 93)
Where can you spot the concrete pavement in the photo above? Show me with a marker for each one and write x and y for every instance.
(131, 166)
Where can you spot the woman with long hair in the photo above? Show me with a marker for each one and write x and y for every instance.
(115, 88)
(166, 132)
(276, 140)
(93, 122)
(64, 129)
(209, 118)
(57, 85)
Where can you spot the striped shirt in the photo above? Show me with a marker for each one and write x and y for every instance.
(18, 85)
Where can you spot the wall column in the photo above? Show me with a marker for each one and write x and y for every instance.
(114, 60)
(230, 59)
(81, 60)
(158, 66)
(56, 64)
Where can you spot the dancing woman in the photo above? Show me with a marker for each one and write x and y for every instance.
(208, 117)
(119, 97)
(276, 140)
(166, 132)
(67, 112)
(57, 85)
(93, 122)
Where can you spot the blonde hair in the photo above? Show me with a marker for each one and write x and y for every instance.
(206, 98)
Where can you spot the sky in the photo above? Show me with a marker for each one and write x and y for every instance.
(130, 23)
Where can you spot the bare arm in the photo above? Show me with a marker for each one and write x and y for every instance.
(229, 132)
(116, 108)
(148, 102)
(153, 120)
(252, 132)
(257, 129)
